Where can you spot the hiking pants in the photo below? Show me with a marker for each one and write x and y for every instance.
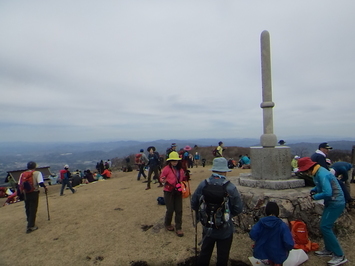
(223, 248)
(66, 182)
(141, 171)
(156, 175)
(329, 216)
(31, 205)
(173, 203)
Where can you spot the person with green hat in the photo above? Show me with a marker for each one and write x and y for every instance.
(171, 176)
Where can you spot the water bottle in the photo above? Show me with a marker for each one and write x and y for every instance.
(226, 212)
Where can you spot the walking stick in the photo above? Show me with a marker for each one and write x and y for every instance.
(194, 222)
(47, 204)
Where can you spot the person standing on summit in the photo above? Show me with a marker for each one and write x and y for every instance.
(65, 176)
(31, 193)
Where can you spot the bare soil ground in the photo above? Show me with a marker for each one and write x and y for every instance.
(113, 222)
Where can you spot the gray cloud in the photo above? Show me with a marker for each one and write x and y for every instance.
(132, 70)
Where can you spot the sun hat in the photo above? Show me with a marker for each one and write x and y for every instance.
(297, 157)
(66, 166)
(173, 144)
(220, 164)
(324, 145)
(150, 147)
(187, 148)
(173, 156)
(305, 163)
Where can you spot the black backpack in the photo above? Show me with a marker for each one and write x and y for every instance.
(213, 209)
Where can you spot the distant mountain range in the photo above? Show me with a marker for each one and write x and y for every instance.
(82, 155)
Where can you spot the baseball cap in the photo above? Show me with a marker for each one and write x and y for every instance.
(325, 145)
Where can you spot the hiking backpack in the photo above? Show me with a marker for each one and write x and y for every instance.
(213, 209)
(300, 236)
(26, 182)
(138, 158)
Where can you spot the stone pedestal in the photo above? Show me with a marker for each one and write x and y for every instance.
(271, 168)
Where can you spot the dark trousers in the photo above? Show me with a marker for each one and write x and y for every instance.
(173, 203)
(156, 174)
(66, 182)
(141, 171)
(31, 205)
(223, 248)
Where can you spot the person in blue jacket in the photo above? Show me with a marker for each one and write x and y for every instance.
(344, 170)
(273, 238)
(327, 188)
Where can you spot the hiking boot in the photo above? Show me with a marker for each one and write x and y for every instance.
(147, 188)
(337, 260)
(323, 253)
(169, 227)
(179, 233)
(31, 229)
(161, 185)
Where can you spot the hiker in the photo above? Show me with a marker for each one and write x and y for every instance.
(185, 157)
(153, 163)
(191, 161)
(320, 157)
(89, 176)
(345, 170)
(294, 163)
(220, 149)
(203, 162)
(30, 181)
(328, 189)
(273, 238)
(109, 163)
(245, 161)
(106, 174)
(141, 161)
(171, 176)
(65, 176)
(172, 148)
(223, 235)
(101, 166)
(197, 159)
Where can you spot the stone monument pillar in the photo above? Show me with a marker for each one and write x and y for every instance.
(270, 164)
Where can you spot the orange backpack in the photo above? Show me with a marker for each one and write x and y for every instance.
(300, 236)
(26, 182)
(185, 190)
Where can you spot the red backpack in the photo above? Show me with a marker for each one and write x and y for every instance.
(26, 182)
(300, 236)
(137, 159)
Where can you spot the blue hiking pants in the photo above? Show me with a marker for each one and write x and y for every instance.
(329, 216)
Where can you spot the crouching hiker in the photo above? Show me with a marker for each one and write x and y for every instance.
(215, 201)
(328, 189)
(28, 184)
(273, 238)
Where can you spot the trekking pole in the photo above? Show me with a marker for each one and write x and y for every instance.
(196, 242)
(192, 212)
(47, 204)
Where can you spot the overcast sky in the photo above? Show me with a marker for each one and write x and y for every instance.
(147, 70)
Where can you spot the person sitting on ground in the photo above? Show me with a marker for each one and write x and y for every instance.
(273, 239)
(106, 174)
(89, 176)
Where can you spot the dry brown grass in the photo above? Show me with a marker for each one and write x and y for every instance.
(102, 225)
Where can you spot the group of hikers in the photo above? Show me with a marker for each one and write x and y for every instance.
(216, 201)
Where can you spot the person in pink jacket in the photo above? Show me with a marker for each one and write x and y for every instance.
(171, 176)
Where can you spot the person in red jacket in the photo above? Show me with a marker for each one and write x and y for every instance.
(106, 174)
(65, 176)
(171, 176)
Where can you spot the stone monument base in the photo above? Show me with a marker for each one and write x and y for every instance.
(294, 204)
(248, 181)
